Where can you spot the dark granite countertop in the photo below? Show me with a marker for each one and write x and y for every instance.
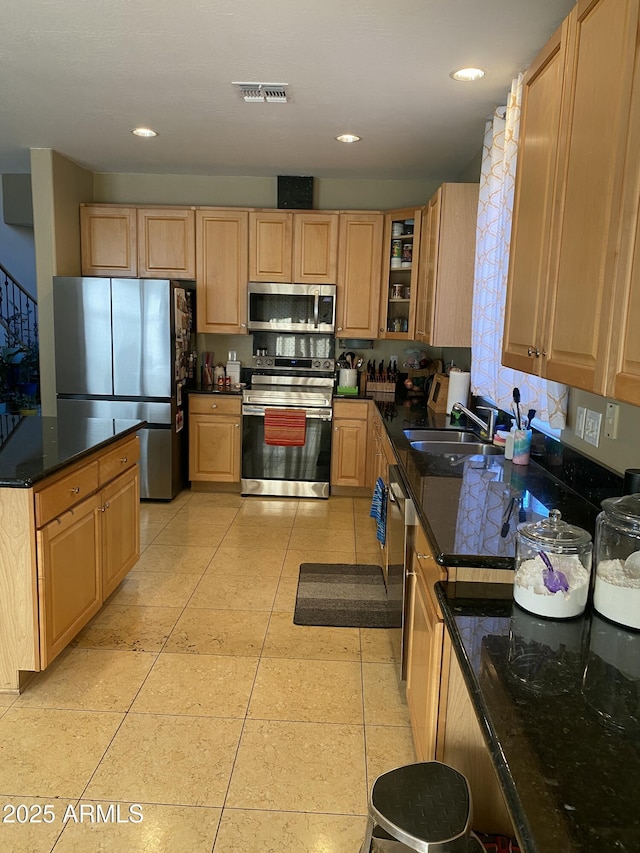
(559, 705)
(33, 447)
(463, 502)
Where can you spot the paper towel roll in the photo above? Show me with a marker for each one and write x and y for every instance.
(458, 392)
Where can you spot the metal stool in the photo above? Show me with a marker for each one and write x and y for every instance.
(425, 807)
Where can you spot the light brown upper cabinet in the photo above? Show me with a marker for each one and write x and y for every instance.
(398, 293)
(108, 240)
(359, 262)
(293, 246)
(624, 362)
(166, 243)
(567, 227)
(221, 270)
(445, 270)
(136, 241)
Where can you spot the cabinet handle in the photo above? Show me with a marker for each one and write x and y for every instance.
(104, 506)
(124, 460)
(530, 351)
(214, 405)
(75, 490)
(411, 575)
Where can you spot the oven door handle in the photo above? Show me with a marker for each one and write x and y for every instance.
(257, 411)
(316, 308)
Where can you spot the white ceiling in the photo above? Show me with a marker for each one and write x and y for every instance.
(78, 75)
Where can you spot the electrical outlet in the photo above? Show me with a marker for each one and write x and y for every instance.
(592, 424)
(611, 420)
(578, 429)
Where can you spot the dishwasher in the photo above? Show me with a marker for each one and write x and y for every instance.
(401, 522)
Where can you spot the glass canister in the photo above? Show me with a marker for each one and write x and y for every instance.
(553, 567)
(617, 587)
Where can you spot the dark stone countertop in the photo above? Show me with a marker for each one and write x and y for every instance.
(33, 447)
(559, 705)
(558, 701)
(463, 502)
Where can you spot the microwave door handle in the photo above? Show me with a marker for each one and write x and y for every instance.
(316, 308)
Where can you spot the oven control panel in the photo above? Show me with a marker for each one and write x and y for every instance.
(287, 363)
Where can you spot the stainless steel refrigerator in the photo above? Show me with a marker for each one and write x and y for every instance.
(123, 350)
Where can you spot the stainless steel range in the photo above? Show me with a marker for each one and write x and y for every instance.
(292, 459)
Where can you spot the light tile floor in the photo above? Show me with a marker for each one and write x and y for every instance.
(193, 694)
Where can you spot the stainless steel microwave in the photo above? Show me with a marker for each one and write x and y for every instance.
(309, 308)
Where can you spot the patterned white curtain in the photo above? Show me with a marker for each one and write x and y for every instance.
(488, 377)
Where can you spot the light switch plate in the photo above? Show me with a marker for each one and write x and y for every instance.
(592, 424)
(578, 429)
(611, 420)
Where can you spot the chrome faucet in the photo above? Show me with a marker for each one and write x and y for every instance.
(486, 429)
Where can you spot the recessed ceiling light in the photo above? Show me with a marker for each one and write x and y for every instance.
(147, 132)
(348, 137)
(467, 75)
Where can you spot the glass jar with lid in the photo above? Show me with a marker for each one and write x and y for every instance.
(553, 567)
(617, 587)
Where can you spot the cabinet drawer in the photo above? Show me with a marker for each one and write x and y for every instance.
(214, 404)
(116, 461)
(60, 496)
(354, 409)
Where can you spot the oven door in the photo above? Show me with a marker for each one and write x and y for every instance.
(292, 308)
(298, 471)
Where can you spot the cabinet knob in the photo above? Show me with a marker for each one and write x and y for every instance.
(214, 405)
(339, 328)
(105, 506)
(381, 330)
(124, 460)
(243, 325)
(544, 353)
(237, 426)
(75, 490)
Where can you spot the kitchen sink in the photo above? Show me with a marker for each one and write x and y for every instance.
(449, 435)
(468, 448)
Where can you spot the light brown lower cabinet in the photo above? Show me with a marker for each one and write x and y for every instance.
(349, 443)
(66, 544)
(461, 744)
(443, 721)
(425, 649)
(215, 438)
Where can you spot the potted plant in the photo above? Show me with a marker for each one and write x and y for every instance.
(27, 404)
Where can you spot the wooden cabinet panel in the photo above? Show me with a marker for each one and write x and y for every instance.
(533, 207)
(446, 267)
(591, 154)
(349, 443)
(578, 187)
(114, 462)
(108, 240)
(69, 580)
(65, 492)
(166, 243)
(360, 255)
(270, 241)
(222, 270)
(461, 744)
(214, 439)
(424, 665)
(315, 248)
(119, 531)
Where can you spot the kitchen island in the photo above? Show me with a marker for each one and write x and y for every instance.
(554, 705)
(69, 531)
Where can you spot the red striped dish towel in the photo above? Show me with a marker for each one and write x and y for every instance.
(285, 427)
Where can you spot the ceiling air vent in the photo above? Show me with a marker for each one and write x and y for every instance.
(272, 93)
